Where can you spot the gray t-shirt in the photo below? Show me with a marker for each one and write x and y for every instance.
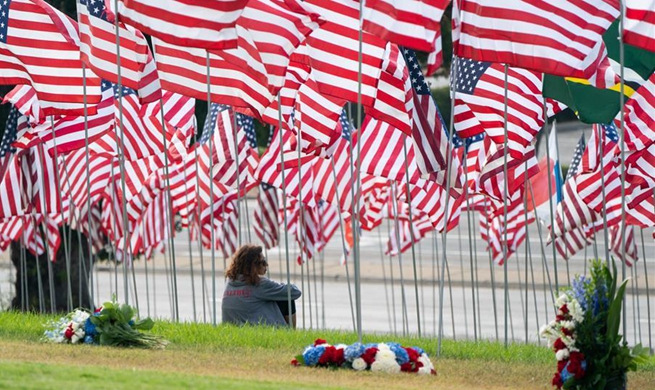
(244, 303)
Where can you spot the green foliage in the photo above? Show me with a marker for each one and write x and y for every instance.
(442, 98)
(117, 326)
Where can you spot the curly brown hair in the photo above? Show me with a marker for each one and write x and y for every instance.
(246, 262)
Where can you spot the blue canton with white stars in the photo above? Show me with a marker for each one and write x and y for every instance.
(96, 8)
(210, 121)
(415, 73)
(469, 73)
(346, 128)
(4, 19)
(11, 132)
(124, 91)
(611, 132)
(577, 157)
(248, 125)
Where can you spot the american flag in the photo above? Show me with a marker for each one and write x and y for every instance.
(24, 98)
(624, 246)
(481, 87)
(421, 226)
(431, 140)
(69, 133)
(346, 126)
(277, 29)
(640, 113)
(316, 117)
(189, 23)
(577, 158)
(11, 201)
(296, 75)
(639, 29)
(237, 76)
(38, 44)
(98, 50)
(393, 103)
(572, 242)
(412, 23)
(248, 125)
(333, 52)
(557, 37)
(266, 215)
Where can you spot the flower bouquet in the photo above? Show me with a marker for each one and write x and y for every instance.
(110, 325)
(585, 334)
(381, 357)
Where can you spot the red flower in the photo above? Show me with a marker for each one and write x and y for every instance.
(433, 372)
(328, 355)
(575, 365)
(561, 364)
(567, 332)
(577, 356)
(411, 366)
(369, 355)
(559, 344)
(294, 362)
(98, 310)
(69, 332)
(319, 342)
(413, 355)
(557, 381)
(338, 357)
(564, 309)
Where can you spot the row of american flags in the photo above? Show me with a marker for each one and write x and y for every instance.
(79, 122)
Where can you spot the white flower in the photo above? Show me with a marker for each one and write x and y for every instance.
(576, 311)
(80, 316)
(426, 362)
(424, 371)
(359, 364)
(385, 354)
(383, 347)
(570, 325)
(386, 365)
(562, 300)
(562, 354)
(341, 346)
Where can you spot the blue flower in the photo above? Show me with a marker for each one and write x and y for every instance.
(580, 285)
(565, 375)
(370, 345)
(312, 354)
(88, 340)
(353, 351)
(402, 356)
(131, 323)
(420, 350)
(90, 328)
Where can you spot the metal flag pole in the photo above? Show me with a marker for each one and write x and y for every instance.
(393, 287)
(435, 278)
(541, 245)
(384, 278)
(394, 203)
(461, 266)
(193, 276)
(211, 198)
(284, 206)
(622, 140)
(121, 147)
(527, 250)
(411, 235)
(550, 194)
(170, 217)
(323, 288)
(507, 197)
(236, 157)
(650, 334)
(145, 266)
(492, 273)
(69, 284)
(470, 234)
(51, 279)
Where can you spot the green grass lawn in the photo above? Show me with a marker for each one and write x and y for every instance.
(202, 356)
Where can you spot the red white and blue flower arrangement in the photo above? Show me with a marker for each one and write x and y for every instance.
(585, 335)
(110, 325)
(377, 357)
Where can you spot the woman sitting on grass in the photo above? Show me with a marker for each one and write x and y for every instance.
(251, 298)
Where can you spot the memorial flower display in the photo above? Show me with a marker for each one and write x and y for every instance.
(378, 357)
(585, 335)
(110, 325)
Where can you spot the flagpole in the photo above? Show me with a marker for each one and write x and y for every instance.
(211, 196)
(394, 205)
(470, 234)
(343, 245)
(492, 271)
(69, 287)
(284, 208)
(550, 195)
(568, 268)
(461, 266)
(622, 118)
(51, 280)
(507, 198)
(170, 216)
(411, 235)
(88, 181)
(527, 249)
(384, 278)
(236, 157)
(541, 241)
(650, 335)
(393, 293)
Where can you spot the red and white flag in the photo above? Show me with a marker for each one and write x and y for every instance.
(639, 28)
(558, 37)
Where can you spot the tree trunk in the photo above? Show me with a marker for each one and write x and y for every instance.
(34, 294)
